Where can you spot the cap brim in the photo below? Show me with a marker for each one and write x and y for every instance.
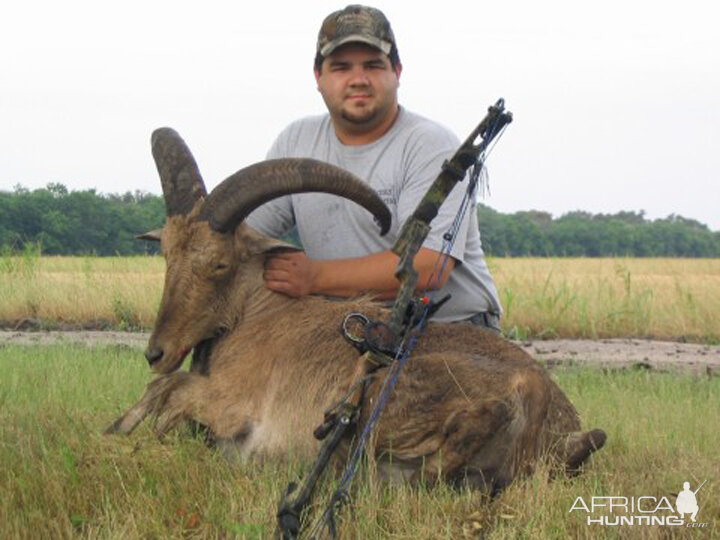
(384, 46)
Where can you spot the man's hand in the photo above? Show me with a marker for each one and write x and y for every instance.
(292, 273)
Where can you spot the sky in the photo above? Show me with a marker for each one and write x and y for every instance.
(616, 103)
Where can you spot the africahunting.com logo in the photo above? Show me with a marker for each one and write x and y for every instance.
(617, 511)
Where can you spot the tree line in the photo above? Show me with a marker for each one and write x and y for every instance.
(78, 222)
(581, 234)
(62, 222)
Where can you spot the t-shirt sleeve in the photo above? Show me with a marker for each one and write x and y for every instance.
(426, 151)
(275, 217)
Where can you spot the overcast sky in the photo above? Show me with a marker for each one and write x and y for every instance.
(616, 103)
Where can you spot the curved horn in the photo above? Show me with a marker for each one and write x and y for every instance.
(181, 181)
(233, 200)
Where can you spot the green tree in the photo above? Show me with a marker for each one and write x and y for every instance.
(79, 222)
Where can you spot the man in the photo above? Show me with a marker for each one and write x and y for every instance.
(686, 502)
(357, 69)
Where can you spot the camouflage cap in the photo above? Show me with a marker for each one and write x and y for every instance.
(355, 24)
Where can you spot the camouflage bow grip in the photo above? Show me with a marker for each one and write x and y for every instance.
(416, 228)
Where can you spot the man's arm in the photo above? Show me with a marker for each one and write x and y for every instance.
(295, 274)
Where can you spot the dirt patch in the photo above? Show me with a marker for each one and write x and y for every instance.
(87, 337)
(621, 353)
(613, 353)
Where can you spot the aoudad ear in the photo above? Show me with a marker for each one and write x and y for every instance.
(151, 236)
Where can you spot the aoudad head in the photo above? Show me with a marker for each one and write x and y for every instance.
(206, 245)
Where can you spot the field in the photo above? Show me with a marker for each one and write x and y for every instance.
(675, 299)
(61, 478)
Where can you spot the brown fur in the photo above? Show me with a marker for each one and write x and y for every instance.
(469, 405)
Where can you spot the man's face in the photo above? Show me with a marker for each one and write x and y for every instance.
(359, 87)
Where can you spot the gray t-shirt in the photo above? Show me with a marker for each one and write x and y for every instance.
(400, 166)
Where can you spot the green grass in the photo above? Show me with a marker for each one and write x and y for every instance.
(60, 478)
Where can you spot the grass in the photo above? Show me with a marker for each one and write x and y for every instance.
(674, 299)
(543, 298)
(60, 478)
(123, 292)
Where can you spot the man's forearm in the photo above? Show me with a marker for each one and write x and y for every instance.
(374, 274)
(295, 274)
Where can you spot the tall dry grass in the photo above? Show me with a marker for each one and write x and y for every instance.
(610, 297)
(574, 298)
(121, 291)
